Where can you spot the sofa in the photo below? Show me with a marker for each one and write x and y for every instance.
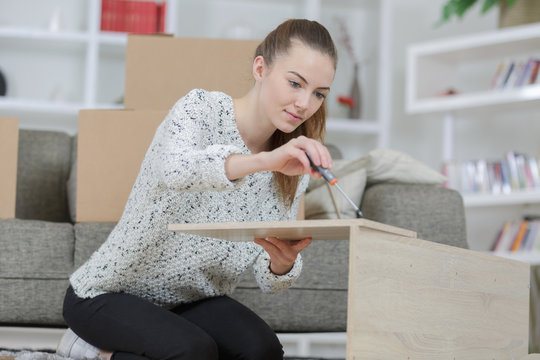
(42, 246)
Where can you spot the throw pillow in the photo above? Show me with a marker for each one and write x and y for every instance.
(318, 201)
(386, 165)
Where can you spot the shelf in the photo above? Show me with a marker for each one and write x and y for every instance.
(355, 126)
(112, 38)
(37, 34)
(500, 43)
(476, 100)
(514, 198)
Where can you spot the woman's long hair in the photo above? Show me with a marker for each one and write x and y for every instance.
(278, 42)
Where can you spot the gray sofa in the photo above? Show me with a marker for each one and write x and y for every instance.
(41, 247)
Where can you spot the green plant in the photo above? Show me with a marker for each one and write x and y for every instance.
(460, 7)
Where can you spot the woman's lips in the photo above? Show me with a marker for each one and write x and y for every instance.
(292, 116)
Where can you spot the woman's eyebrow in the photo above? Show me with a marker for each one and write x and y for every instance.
(304, 80)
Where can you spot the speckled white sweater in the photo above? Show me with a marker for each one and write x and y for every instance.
(182, 180)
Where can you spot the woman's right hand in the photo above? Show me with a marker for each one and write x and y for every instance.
(290, 158)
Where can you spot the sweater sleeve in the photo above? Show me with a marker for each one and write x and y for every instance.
(270, 282)
(186, 150)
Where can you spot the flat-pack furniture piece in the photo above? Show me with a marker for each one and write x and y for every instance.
(410, 298)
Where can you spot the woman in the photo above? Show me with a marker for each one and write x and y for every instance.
(151, 293)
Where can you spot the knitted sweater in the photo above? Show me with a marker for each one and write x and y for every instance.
(182, 180)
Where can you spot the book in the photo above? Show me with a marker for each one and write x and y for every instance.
(507, 237)
(507, 75)
(525, 73)
(522, 229)
(496, 79)
(502, 232)
(534, 72)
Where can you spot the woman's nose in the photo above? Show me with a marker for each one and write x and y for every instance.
(302, 101)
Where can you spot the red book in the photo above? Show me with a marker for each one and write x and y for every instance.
(117, 15)
(106, 15)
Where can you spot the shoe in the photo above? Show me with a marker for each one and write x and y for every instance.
(72, 346)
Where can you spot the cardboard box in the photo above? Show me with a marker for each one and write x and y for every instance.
(9, 149)
(159, 70)
(162, 69)
(111, 146)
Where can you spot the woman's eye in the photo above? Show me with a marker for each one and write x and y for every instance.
(320, 95)
(294, 84)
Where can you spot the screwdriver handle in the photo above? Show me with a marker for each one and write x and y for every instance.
(326, 173)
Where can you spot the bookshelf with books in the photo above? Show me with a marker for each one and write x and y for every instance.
(483, 76)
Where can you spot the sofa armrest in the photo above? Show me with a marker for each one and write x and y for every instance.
(435, 213)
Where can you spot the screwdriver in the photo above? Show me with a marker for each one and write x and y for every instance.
(332, 180)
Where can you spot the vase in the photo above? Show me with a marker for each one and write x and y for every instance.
(355, 94)
(520, 13)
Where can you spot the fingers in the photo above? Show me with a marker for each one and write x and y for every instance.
(318, 152)
(283, 252)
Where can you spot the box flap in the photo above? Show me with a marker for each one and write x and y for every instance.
(160, 70)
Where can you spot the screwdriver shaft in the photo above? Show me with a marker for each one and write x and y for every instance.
(348, 199)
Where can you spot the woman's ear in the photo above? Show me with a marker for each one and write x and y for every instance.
(259, 67)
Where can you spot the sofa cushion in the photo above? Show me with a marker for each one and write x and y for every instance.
(32, 301)
(321, 289)
(35, 249)
(43, 168)
(435, 213)
(88, 238)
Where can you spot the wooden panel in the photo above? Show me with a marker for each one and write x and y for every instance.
(291, 230)
(415, 299)
(112, 144)
(9, 145)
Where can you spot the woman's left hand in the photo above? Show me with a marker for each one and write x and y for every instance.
(283, 253)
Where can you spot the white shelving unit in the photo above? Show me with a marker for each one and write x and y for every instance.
(461, 63)
(90, 63)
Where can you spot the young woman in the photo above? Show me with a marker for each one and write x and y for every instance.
(151, 293)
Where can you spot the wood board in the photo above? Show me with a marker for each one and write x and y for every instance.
(290, 230)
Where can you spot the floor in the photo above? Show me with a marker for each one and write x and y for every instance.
(301, 345)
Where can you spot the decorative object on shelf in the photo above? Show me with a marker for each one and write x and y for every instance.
(355, 107)
(511, 12)
(523, 12)
(3, 85)
(347, 102)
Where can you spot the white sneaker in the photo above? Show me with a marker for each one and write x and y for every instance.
(72, 346)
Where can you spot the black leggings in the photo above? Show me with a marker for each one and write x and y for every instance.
(133, 328)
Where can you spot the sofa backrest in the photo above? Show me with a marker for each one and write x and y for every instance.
(44, 164)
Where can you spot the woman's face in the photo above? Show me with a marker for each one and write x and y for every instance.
(295, 86)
